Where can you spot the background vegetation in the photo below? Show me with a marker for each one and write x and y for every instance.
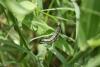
(25, 23)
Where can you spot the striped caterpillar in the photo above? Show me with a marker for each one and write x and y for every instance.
(54, 35)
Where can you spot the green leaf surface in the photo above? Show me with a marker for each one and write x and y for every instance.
(42, 27)
(20, 9)
(93, 62)
(57, 54)
(89, 25)
(62, 44)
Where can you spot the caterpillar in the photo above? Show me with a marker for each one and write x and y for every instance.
(54, 36)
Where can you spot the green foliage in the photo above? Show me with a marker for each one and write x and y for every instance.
(89, 28)
(25, 23)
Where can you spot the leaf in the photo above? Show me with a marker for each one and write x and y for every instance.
(89, 25)
(20, 9)
(42, 27)
(57, 54)
(94, 41)
(42, 50)
(93, 62)
(15, 37)
(62, 44)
